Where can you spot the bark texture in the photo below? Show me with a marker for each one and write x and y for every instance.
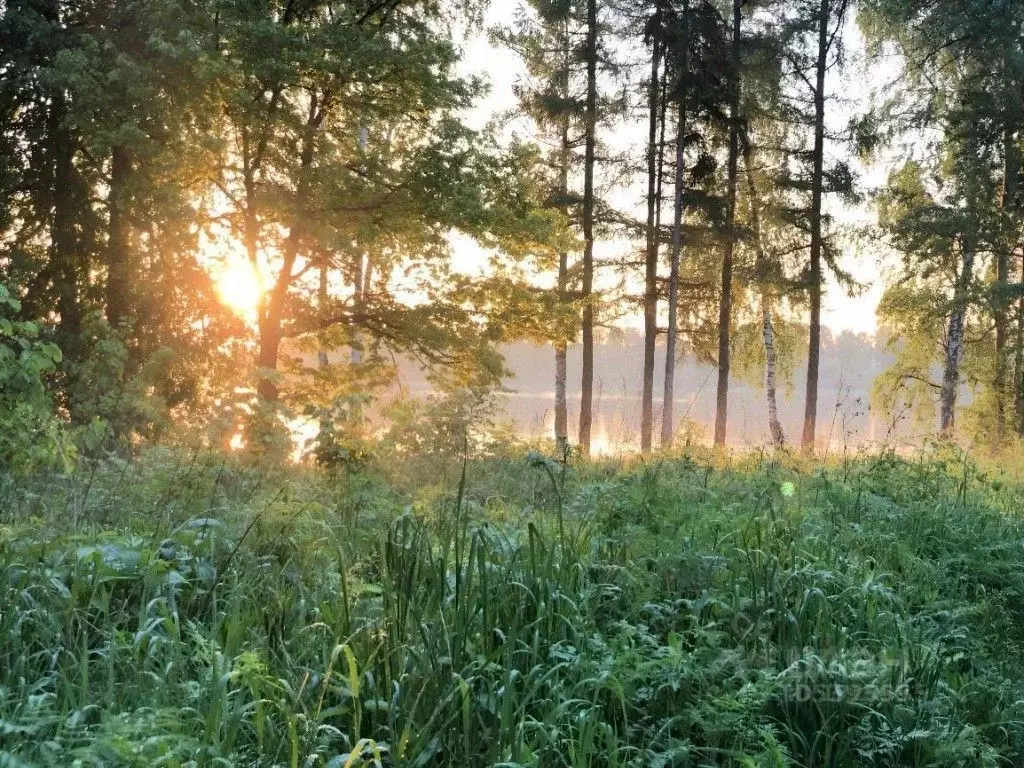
(668, 396)
(814, 271)
(725, 302)
(651, 253)
(587, 381)
(955, 343)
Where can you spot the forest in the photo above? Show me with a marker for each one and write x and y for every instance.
(285, 283)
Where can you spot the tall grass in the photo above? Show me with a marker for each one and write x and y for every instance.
(182, 611)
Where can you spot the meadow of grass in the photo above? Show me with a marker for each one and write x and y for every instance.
(189, 610)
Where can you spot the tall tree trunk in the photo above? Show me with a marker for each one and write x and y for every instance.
(119, 281)
(1011, 177)
(561, 403)
(814, 275)
(652, 253)
(367, 279)
(64, 253)
(562, 344)
(65, 260)
(725, 303)
(587, 381)
(667, 414)
(955, 344)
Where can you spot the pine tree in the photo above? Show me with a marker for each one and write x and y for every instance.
(728, 247)
(554, 97)
(698, 65)
(590, 121)
(814, 38)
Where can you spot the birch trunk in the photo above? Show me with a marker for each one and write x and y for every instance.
(1011, 175)
(955, 345)
(1019, 358)
(356, 354)
(767, 329)
(768, 333)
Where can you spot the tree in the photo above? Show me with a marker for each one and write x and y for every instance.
(811, 44)
(654, 34)
(728, 247)
(965, 79)
(346, 142)
(553, 95)
(49, 222)
(699, 72)
(590, 54)
(767, 279)
(106, 166)
(943, 235)
(668, 397)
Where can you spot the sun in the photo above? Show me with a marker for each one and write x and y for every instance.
(239, 286)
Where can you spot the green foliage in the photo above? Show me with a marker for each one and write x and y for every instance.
(112, 388)
(340, 442)
(536, 613)
(446, 424)
(31, 436)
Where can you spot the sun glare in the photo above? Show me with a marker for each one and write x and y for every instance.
(240, 287)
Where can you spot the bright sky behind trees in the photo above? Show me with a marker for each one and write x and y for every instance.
(857, 81)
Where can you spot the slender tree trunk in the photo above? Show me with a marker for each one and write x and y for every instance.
(725, 303)
(119, 279)
(63, 250)
(358, 279)
(562, 344)
(1011, 175)
(65, 260)
(667, 414)
(815, 276)
(768, 333)
(955, 344)
(652, 253)
(587, 382)
(767, 329)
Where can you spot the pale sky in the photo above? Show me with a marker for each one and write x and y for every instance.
(501, 68)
